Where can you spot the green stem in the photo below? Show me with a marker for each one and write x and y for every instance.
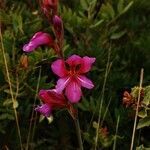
(117, 126)
(78, 132)
(11, 89)
(30, 135)
(108, 66)
(137, 108)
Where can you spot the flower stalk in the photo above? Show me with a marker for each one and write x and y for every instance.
(78, 132)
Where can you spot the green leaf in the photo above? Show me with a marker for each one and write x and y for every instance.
(146, 99)
(120, 6)
(84, 4)
(7, 102)
(6, 116)
(8, 92)
(97, 23)
(84, 105)
(107, 11)
(127, 7)
(92, 104)
(117, 35)
(111, 10)
(145, 122)
(142, 113)
(141, 147)
(135, 91)
(87, 137)
(10, 102)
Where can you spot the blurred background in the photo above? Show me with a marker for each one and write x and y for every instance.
(116, 32)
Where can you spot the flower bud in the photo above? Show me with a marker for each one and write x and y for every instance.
(40, 38)
(24, 61)
(58, 26)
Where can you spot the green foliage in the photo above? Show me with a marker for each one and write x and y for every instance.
(146, 99)
(144, 105)
(141, 147)
(119, 29)
(143, 122)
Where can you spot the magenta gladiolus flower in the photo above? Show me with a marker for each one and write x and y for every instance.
(72, 76)
(58, 26)
(51, 100)
(40, 38)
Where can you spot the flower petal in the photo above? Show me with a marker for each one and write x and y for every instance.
(53, 98)
(44, 109)
(74, 60)
(58, 67)
(62, 83)
(87, 64)
(40, 38)
(73, 92)
(43, 95)
(85, 82)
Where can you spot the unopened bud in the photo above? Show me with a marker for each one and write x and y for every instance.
(24, 61)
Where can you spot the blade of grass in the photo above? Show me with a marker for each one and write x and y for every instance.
(37, 89)
(10, 88)
(98, 106)
(108, 66)
(137, 108)
(105, 113)
(115, 141)
(30, 135)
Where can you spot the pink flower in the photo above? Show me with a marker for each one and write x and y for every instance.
(72, 78)
(51, 100)
(40, 38)
(44, 109)
(58, 26)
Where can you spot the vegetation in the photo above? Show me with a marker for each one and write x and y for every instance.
(116, 33)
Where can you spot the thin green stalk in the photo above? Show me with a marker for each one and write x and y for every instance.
(78, 131)
(102, 96)
(115, 141)
(105, 113)
(96, 108)
(17, 86)
(108, 70)
(137, 108)
(37, 89)
(32, 114)
(11, 91)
